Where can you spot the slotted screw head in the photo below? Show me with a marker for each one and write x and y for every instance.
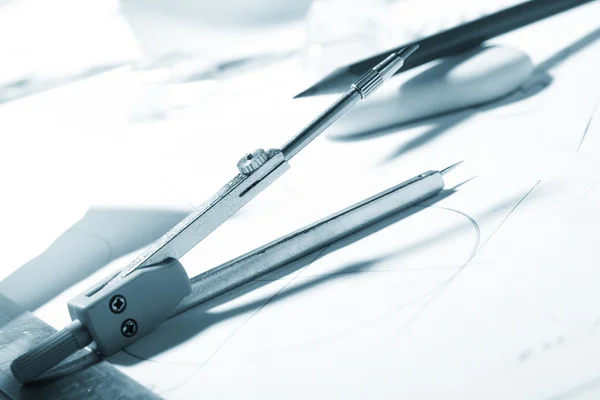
(251, 161)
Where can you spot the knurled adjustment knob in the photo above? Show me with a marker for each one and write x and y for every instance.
(251, 161)
(50, 352)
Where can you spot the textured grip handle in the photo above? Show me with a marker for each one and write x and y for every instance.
(50, 352)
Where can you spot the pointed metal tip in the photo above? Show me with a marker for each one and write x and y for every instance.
(308, 92)
(450, 168)
(407, 51)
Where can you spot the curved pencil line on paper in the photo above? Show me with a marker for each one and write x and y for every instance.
(381, 317)
(447, 283)
(509, 214)
(453, 277)
(471, 255)
(587, 127)
(405, 305)
(583, 195)
(232, 334)
(349, 330)
(472, 221)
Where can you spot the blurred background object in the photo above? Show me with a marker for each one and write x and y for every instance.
(187, 46)
(225, 12)
(342, 31)
(44, 44)
(223, 29)
(339, 32)
(177, 49)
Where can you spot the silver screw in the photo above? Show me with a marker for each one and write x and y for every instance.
(117, 304)
(129, 328)
(252, 161)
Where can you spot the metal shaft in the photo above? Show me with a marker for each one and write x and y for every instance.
(363, 87)
(319, 124)
(310, 238)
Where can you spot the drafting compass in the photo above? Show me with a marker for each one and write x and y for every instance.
(121, 309)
